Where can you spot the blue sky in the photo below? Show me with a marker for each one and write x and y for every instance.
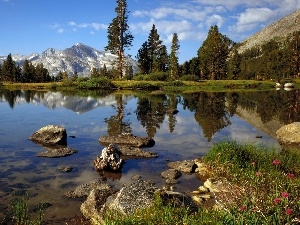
(32, 26)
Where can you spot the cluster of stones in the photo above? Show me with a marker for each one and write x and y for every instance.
(125, 145)
(140, 194)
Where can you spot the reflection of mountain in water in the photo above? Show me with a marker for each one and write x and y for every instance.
(53, 100)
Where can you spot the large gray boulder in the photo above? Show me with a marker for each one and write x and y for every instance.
(289, 135)
(50, 135)
(137, 195)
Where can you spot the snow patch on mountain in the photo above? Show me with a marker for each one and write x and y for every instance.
(79, 58)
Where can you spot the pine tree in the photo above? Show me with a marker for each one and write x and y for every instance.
(94, 73)
(163, 59)
(155, 50)
(8, 69)
(236, 64)
(213, 55)
(26, 71)
(173, 66)
(119, 36)
(143, 59)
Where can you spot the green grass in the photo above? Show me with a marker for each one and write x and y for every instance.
(21, 215)
(265, 190)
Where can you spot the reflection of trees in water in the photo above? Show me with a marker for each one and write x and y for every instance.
(10, 96)
(281, 105)
(172, 103)
(115, 123)
(151, 111)
(209, 111)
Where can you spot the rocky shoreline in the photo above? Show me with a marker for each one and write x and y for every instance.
(139, 193)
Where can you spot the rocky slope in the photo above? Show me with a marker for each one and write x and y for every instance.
(80, 58)
(280, 28)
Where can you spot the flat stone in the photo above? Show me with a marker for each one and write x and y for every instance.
(127, 139)
(135, 152)
(84, 190)
(56, 152)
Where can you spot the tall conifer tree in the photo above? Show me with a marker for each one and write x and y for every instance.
(213, 55)
(119, 36)
(173, 67)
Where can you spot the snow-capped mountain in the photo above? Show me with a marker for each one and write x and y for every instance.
(80, 58)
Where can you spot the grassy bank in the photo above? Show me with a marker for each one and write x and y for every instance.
(172, 86)
(265, 190)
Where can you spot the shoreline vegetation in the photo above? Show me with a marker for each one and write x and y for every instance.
(134, 85)
(264, 188)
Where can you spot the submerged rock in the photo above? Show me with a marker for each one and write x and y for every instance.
(109, 159)
(65, 169)
(50, 135)
(57, 151)
(84, 190)
(127, 139)
(135, 152)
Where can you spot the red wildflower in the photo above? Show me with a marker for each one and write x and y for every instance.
(253, 163)
(276, 162)
(243, 208)
(288, 211)
(290, 175)
(284, 194)
(277, 200)
(258, 173)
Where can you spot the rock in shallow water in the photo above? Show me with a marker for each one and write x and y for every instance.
(109, 159)
(50, 135)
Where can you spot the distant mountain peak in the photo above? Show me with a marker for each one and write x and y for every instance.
(78, 58)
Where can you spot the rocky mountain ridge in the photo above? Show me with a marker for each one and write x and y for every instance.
(80, 58)
(279, 29)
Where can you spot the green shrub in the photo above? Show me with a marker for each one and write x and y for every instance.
(189, 78)
(146, 86)
(138, 77)
(97, 83)
(158, 76)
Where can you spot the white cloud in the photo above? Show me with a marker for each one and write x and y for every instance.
(98, 26)
(215, 20)
(255, 15)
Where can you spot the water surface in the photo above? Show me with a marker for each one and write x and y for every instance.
(202, 120)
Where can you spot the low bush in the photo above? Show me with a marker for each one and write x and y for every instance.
(189, 78)
(97, 83)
